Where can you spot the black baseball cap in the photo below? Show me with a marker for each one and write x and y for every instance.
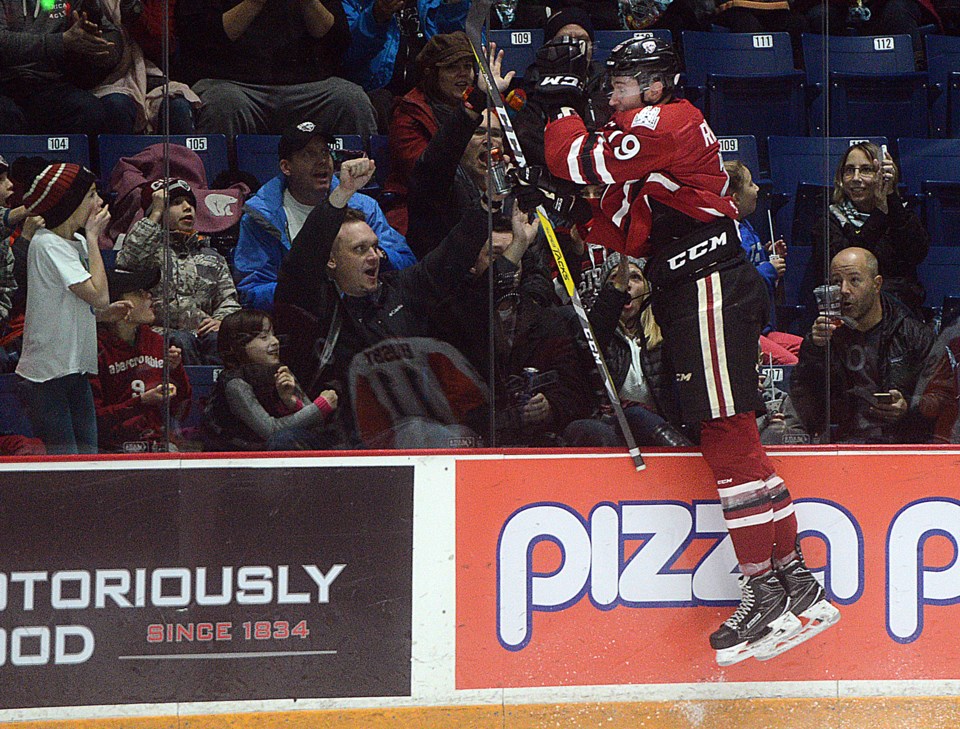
(297, 136)
(120, 281)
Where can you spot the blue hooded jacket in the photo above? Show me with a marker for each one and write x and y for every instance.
(758, 256)
(373, 50)
(265, 240)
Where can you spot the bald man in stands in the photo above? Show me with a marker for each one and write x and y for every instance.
(876, 354)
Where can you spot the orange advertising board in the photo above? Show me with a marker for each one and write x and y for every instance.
(581, 571)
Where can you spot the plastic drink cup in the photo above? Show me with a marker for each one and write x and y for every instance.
(828, 302)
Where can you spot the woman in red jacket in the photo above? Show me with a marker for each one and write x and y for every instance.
(446, 70)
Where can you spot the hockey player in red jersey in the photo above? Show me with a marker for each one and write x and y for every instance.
(666, 199)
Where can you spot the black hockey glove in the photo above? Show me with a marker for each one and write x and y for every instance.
(534, 186)
(562, 68)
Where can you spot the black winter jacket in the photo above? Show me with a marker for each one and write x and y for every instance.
(904, 346)
(307, 300)
(545, 341)
(439, 190)
(605, 318)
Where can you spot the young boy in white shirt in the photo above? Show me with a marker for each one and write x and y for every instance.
(66, 292)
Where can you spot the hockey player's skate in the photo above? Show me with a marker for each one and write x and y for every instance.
(762, 620)
(808, 601)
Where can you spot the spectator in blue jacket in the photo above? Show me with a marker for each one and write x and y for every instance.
(385, 30)
(274, 216)
(778, 348)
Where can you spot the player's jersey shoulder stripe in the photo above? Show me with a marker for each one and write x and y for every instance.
(588, 164)
(625, 204)
(663, 180)
(573, 161)
(598, 151)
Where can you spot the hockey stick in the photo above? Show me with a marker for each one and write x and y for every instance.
(476, 17)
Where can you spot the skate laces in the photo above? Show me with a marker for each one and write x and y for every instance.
(746, 605)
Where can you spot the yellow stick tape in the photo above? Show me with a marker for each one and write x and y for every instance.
(557, 253)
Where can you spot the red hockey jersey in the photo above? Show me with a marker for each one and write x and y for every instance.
(666, 152)
(126, 371)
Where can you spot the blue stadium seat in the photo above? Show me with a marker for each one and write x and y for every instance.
(875, 89)
(257, 155)
(606, 40)
(211, 148)
(953, 104)
(202, 379)
(801, 172)
(63, 148)
(743, 148)
(930, 169)
(923, 160)
(380, 153)
(519, 46)
(779, 374)
(745, 83)
(347, 141)
(943, 59)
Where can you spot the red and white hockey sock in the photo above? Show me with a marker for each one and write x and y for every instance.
(784, 521)
(731, 447)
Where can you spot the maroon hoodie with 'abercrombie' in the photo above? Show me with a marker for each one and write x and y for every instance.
(125, 372)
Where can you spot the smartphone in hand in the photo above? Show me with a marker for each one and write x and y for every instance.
(883, 398)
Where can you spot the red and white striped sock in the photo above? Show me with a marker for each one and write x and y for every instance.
(731, 446)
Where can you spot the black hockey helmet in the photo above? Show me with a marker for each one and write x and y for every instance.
(647, 60)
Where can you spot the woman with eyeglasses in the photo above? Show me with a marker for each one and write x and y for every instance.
(867, 212)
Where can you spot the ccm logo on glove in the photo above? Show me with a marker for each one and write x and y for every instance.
(559, 81)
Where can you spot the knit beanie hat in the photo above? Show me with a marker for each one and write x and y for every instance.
(613, 260)
(58, 191)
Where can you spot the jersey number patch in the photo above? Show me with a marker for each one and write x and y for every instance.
(628, 148)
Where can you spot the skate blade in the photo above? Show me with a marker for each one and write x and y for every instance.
(781, 629)
(816, 619)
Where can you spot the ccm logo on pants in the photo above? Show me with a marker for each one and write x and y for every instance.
(697, 251)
